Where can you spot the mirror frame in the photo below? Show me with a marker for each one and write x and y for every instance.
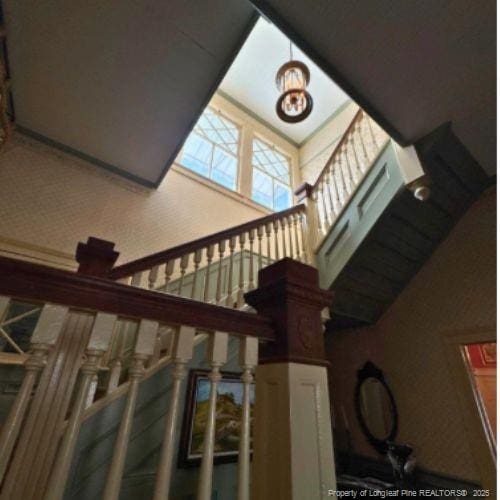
(369, 370)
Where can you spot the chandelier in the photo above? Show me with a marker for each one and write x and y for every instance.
(295, 103)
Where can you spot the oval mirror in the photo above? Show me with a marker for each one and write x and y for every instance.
(375, 407)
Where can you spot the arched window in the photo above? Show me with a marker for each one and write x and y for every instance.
(271, 178)
(212, 148)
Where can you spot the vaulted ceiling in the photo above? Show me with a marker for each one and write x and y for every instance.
(121, 82)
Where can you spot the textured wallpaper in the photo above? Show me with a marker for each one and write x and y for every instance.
(52, 200)
(454, 291)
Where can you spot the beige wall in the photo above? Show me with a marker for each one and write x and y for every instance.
(314, 153)
(455, 291)
(52, 200)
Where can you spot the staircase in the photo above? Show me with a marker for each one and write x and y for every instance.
(106, 349)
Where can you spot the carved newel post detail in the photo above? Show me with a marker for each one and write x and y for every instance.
(293, 448)
(96, 257)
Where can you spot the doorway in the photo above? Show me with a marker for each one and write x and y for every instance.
(481, 359)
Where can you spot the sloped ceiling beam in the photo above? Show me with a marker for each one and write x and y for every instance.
(120, 82)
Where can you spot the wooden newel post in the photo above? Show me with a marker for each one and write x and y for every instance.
(293, 448)
(96, 257)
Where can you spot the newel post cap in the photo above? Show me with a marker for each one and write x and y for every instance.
(289, 294)
(96, 257)
(304, 191)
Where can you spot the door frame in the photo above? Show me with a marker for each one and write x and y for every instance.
(483, 450)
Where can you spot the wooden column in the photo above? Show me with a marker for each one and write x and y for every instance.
(293, 448)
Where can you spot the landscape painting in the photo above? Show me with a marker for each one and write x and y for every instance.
(228, 417)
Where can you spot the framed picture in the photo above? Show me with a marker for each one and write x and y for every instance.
(228, 417)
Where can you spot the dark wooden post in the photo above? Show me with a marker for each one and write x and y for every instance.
(293, 447)
(96, 257)
(289, 293)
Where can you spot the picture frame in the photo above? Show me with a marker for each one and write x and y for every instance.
(228, 421)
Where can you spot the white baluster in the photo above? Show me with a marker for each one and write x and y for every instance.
(241, 280)
(331, 205)
(283, 236)
(251, 238)
(153, 277)
(45, 335)
(137, 279)
(98, 344)
(276, 240)
(153, 360)
(326, 218)
(359, 173)
(306, 253)
(217, 355)
(336, 196)
(117, 348)
(218, 292)
(184, 264)
(296, 234)
(268, 238)
(229, 297)
(169, 270)
(374, 140)
(115, 371)
(143, 349)
(94, 384)
(350, 177)
(366, 163)
(196, 260)
(343, 182)
(210, 254)
(288, 220)
(260, 234)
(181, 354)
(319, 225)
(248, 360)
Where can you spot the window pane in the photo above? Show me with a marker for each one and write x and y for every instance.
(196, 154)
(282, 197)
(224, 168)
(271, 161)
(262, 188)
(218, 130)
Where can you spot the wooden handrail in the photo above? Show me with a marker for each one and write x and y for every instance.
(154, 259)
(356, 117)
(27, 281)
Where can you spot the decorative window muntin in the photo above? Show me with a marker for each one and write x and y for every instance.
(271, 178)
(212, 149)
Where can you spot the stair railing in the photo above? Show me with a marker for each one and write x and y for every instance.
(80, 315)
(342, 174)
(221, 267)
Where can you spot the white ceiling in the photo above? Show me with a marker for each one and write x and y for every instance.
(251, 82)
(412, 64)
(119, 82)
